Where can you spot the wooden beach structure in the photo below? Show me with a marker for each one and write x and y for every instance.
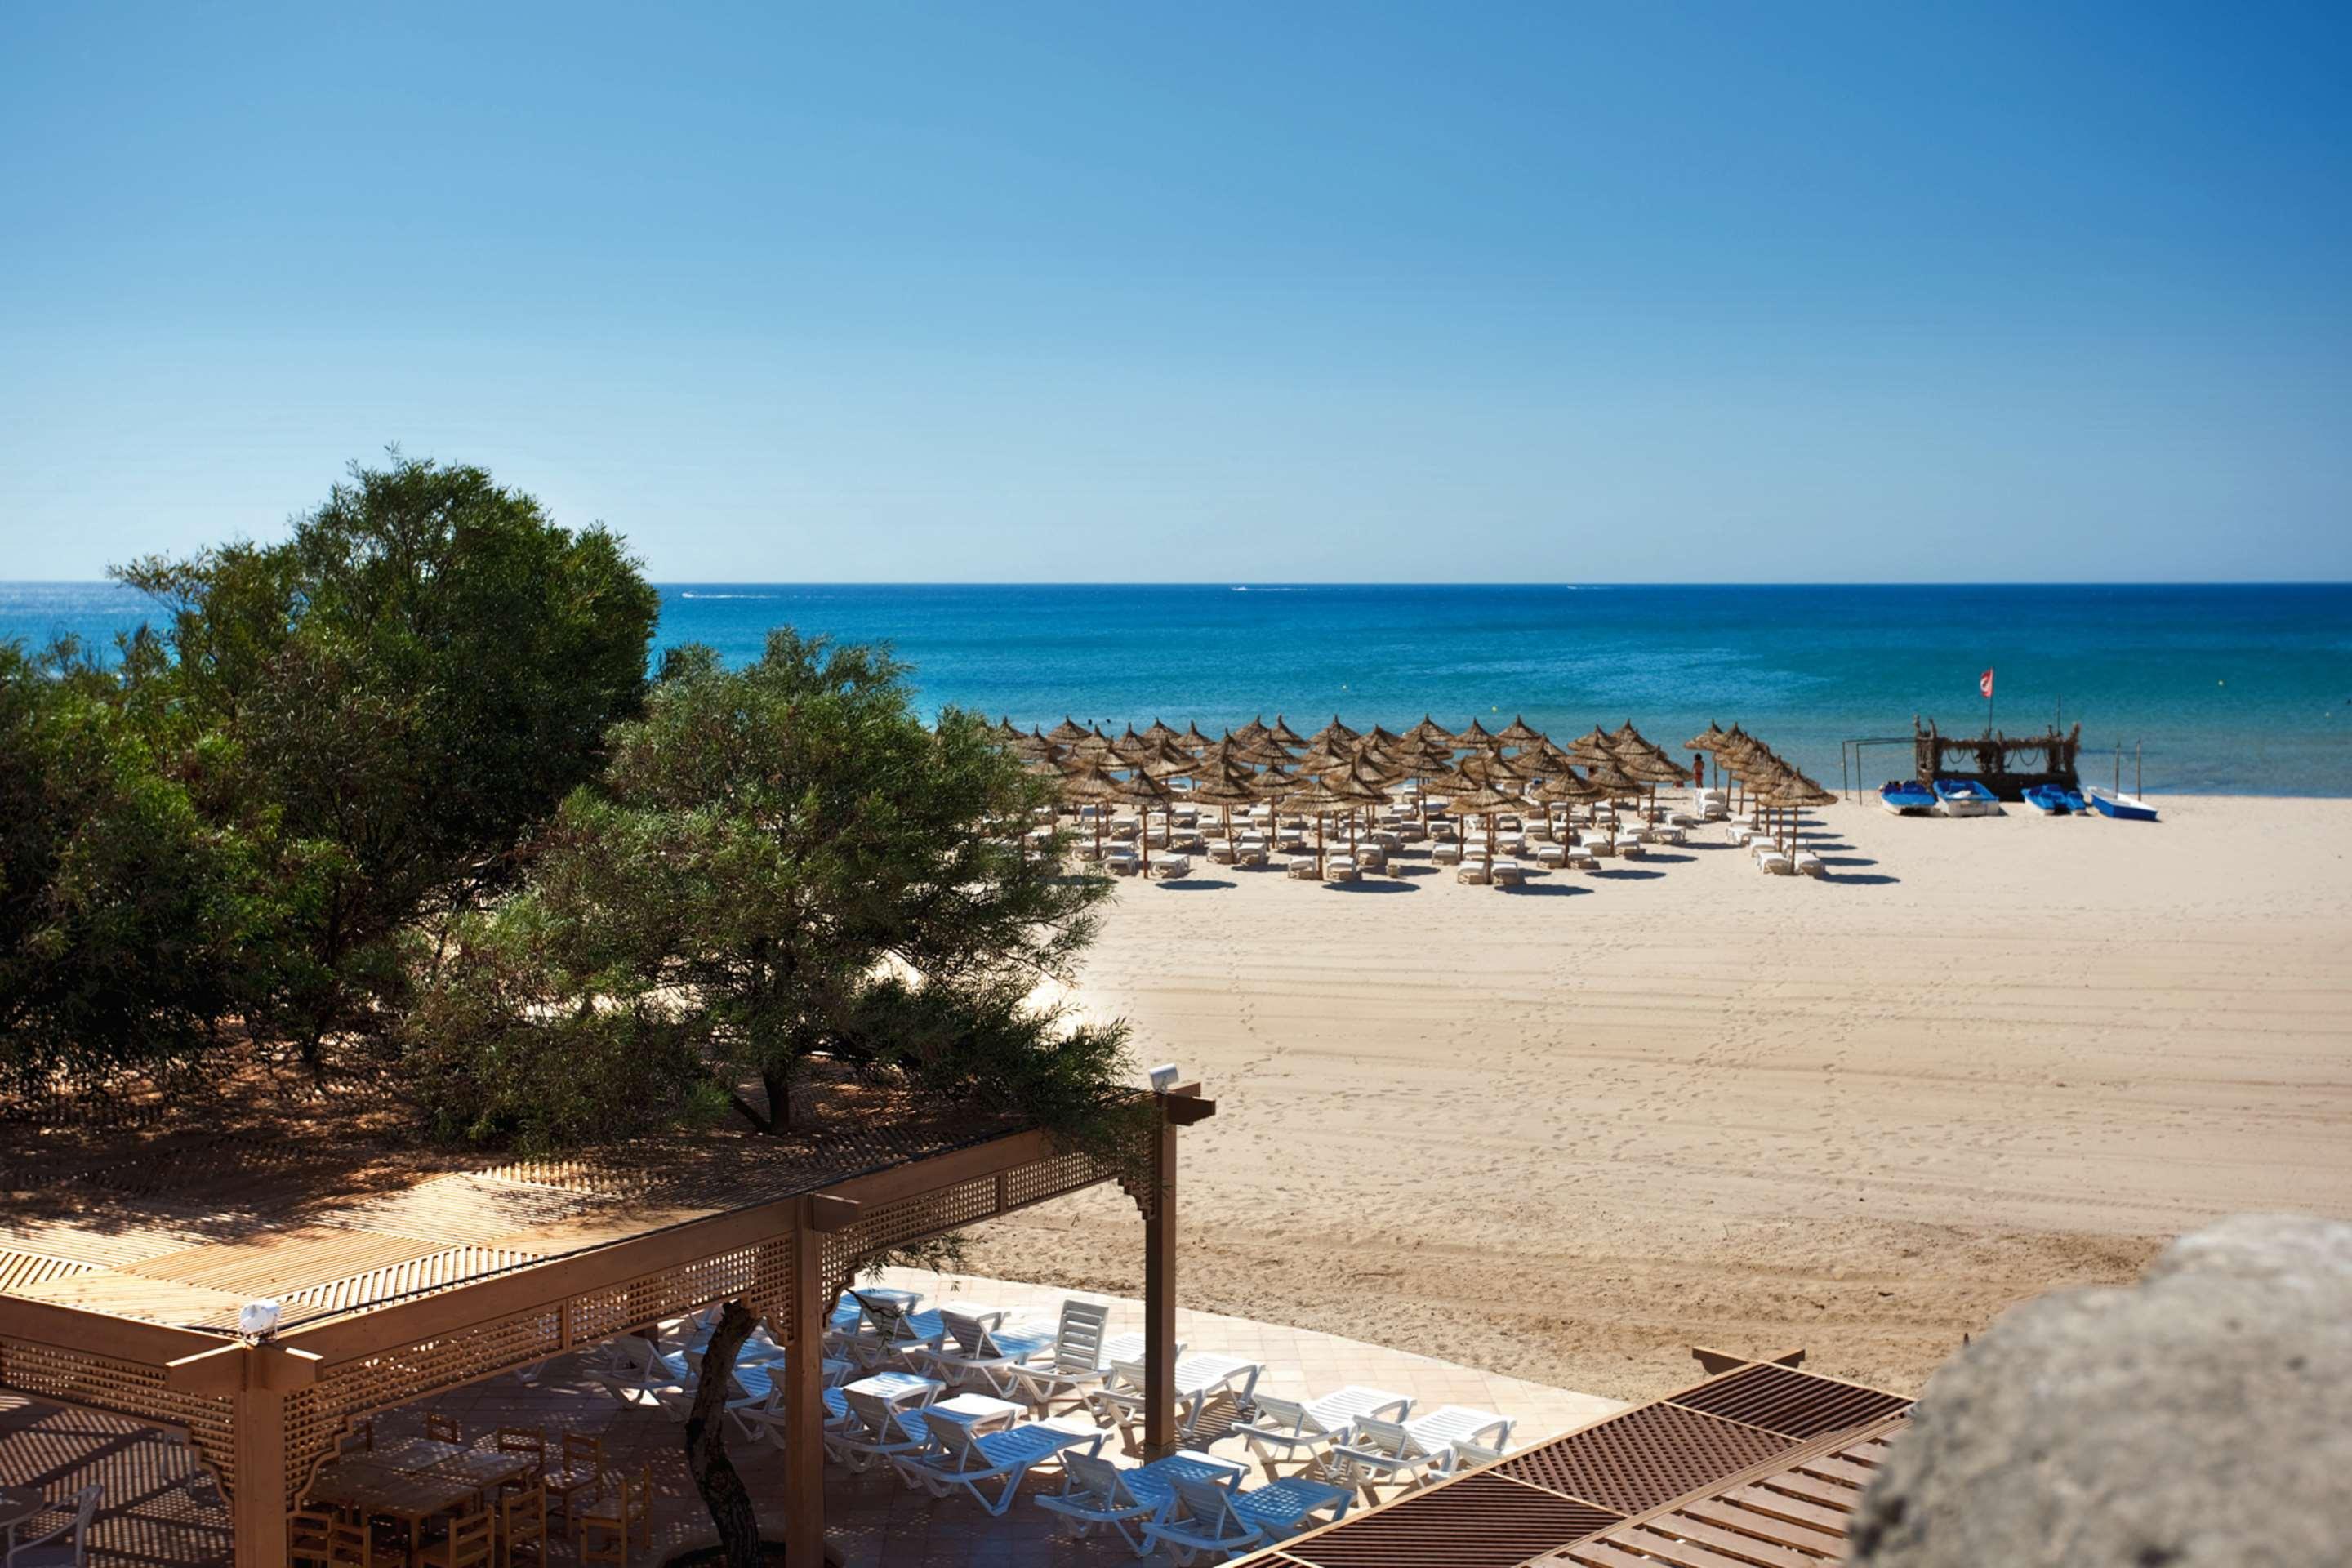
(1759, 1463)
(125, 1262)
(2006, 764)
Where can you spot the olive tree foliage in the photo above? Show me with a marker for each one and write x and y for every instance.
(777, 862)
(126, 899)
(404, 686)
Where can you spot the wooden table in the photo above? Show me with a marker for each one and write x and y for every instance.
(415, 1480)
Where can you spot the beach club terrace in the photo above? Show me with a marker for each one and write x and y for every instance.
(128, 1260)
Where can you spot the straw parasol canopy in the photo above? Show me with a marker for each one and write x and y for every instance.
(1254, 730)
(1333, 735)
(1160, 731)
(1329, 792)
(1065, 732)
(1430, 731)
(1192, 740)
(1477, 794)
(1592, 748)
(1376, 736)
(1006, 730)
(1224, 786)
(1089, 784)
(1281, 734)
(1142, 791)
(1518, 732)
(1477, 738)
(1033, 746)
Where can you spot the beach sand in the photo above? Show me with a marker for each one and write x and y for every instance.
(1566, 1133)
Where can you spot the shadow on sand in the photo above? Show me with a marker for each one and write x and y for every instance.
(1197, 884)
(1371, 884)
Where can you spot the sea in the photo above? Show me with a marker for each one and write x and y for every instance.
(2234, 689)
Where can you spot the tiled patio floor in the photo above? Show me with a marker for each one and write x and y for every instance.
(874, 1521)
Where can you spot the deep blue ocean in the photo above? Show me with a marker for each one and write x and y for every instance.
(2239, 688)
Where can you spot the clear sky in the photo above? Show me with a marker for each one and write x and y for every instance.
(1107, 290)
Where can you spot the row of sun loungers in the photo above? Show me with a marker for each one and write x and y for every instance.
(957, 1403)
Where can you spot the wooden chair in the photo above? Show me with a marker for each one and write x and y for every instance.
(310, 1539)
(531, 1442)
(443, 1428)
(470, 1543)
(578, 1482)
(628, 1518)
(522, 1527)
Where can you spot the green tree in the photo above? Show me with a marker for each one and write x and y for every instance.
(124, 910)
(406, 684)
(784, 860)
(777, 862)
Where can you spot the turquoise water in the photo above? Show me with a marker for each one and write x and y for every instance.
(2244, 689)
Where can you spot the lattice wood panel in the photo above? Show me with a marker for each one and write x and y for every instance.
(1480, 1521)
(20, 1269)
(1647, 1457)
(75, 1377)
(762, 1273)
(1797, 1404)
(317, 1415)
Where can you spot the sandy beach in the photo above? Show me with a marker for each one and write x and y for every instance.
(1566, 1132)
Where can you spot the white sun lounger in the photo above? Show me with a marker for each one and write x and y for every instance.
(1169, 866)
(1473, 869)
(1095, 1491)
(976, 1462)
(1508, 874)
(1339, 868)
(1385, 1454)
(1304, 868)
(1211, 1518)
(1293, 1431)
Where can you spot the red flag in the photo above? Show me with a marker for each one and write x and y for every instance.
(1984, 684)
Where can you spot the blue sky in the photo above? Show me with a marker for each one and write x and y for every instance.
(1551, 292)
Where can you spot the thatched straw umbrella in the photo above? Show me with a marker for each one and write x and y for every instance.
(1089, 784)
(1066, 733)
(1430, 731)
(1281, 734)
(1519, 734)
(1160, 731)
(1323, 796)
(1333, 735)
(1143, 792)
(1477, 738)
(1479, 797)
(1033, 746)
(1192, 740)
(1791, 792)
(1225, 787)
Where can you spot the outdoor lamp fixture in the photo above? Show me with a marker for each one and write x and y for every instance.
(1163, 1078)
(258, 1319)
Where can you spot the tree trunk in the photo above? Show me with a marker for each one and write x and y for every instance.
(779, 1086)
(706, 1442)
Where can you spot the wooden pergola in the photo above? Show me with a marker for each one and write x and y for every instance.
(136, 1318)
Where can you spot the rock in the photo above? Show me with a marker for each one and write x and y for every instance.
(2196, 1420)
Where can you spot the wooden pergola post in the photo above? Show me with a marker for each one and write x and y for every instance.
(805, 1395)
(1160, 1301)
(258, 1504)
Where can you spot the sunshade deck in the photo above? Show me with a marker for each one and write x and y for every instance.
(1759, 1464)
(119, 1284)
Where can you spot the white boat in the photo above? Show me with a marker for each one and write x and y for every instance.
(2122, 807)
